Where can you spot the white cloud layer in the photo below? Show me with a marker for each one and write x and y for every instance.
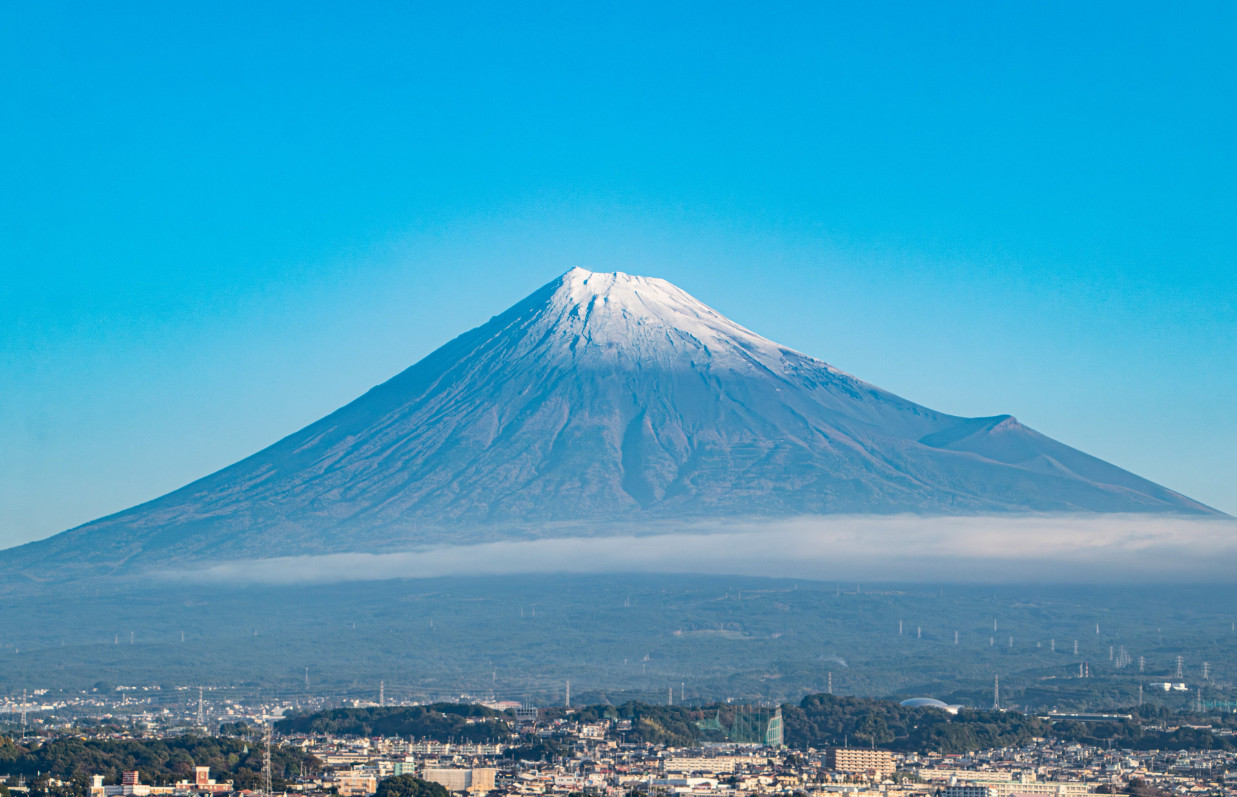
(1091, 549)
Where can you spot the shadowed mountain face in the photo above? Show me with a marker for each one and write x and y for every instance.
(600, 401)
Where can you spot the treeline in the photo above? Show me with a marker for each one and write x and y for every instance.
(442, 722)
(677, 726)
(158, 761)
(828, 720)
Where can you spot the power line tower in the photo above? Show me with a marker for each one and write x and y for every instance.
(1142, 664)
(23, 713)
(996, 692)
(266, 762)
(201, 712)
(1206, 671)
(382, 693)
(1180, 661)
(830, 682)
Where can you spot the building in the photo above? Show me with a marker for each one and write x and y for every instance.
(857, 761)
(452, 779)
(355, 783)
(968, 791)
(690, 764)
(203, 782)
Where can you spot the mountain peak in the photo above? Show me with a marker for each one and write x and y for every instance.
(646, 319)
(601, 398)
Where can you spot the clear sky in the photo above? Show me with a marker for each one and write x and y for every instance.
(219, 222)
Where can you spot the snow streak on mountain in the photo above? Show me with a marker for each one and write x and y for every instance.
(601, 401)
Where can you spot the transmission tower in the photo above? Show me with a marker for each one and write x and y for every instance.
(201, 713)
(996, 692)
(1206, 671)
(382, 693)
(830, 682)
(23, 713)
(1075, 647)
(1142, 663)
(1180, 661)
(266, 762)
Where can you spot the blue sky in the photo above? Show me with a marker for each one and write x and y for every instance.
(220, 222)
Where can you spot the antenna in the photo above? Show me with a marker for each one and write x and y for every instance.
(670, 696)
(993, 623)
(306, 679)
(1097, 627)
(182, 636)
(1011, 641)
(899, 628)
(919, 632)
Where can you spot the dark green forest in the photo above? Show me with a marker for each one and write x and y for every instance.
(442, 722)
(156, 760)
(817, 721)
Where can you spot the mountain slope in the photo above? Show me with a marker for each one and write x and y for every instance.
(600, 399)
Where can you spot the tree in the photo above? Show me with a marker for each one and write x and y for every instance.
(409, 786)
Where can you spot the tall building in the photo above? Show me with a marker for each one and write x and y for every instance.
(479, 779)
(860, 761)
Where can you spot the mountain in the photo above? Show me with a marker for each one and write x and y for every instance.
(600, 401)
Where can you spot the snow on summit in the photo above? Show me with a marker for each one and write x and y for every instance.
(620, 315)
(601, 401)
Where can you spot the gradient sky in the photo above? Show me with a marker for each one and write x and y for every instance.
(220, 222)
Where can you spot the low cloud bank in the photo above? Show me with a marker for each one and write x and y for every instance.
(1091, 549)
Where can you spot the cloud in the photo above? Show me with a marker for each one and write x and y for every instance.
(1049, 549)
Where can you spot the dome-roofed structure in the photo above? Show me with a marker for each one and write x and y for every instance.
(929, 702)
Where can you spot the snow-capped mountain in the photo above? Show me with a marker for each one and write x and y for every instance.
(601, 399)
